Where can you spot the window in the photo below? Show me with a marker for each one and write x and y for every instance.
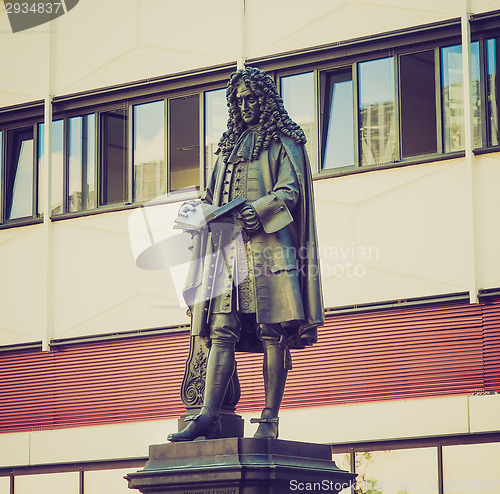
(19, 174)
(453, 98)
(81, 194)
(113, 171)
(215, 124)
(471, 468)
(493, 93)
(338, 148)
(418, 104)
(393, 471)
(149, 151)
(184, 142)
(57, 165)
(298, 93)
(377, 112)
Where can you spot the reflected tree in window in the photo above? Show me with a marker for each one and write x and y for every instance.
(149, 151)
(377, 112)
(394, 472)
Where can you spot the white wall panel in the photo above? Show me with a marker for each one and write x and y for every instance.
(23, 61)
(22, 285)
(487, 216)
(107, 43)
(97, 286)
(393, 234)
(281, 26)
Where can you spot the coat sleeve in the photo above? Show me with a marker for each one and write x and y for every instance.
(274, 209)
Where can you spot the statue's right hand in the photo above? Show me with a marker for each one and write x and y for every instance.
(187, 207)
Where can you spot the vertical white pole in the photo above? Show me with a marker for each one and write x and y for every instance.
(469, 143)
(45, 185)
(243, 38)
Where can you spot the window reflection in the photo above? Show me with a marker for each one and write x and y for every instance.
(184, 142)
(114, 156)
(57, 165)
(394, 472)
(19, 174)
(81, 166)
(149, 151)
(418, 104)
(492, 60)
(298, 93)
(471, 468)
(47, 483)
(4, 481)
(453, 97)
(106, 481)
(338, 121)
(377, 112)
(216, 116)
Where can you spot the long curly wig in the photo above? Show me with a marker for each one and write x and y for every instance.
(274, 119)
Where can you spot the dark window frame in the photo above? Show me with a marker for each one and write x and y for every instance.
(11, 122)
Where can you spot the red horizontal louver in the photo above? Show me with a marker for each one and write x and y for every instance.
(491, 329)
(380, 355)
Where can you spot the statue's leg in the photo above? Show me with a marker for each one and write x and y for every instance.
(275, 370)
(220, 368)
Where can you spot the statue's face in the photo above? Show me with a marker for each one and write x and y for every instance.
(248, 105)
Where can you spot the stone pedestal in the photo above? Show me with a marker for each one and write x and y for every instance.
(239, 466)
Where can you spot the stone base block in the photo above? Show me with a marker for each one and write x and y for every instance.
(239, 466)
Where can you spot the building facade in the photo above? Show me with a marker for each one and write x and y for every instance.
(399, 102)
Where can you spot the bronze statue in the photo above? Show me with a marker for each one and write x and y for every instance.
(254, 284)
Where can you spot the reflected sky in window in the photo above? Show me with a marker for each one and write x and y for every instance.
(57, 164)
(149, 151)
(298, 93)
(216, 116)
(339, 148)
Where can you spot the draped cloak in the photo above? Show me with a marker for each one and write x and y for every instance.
(284, 250)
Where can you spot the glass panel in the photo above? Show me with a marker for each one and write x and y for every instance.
(298, 93)
(338, 122)
(453, 97)
(81, 169)
(48, 483)
(1, 172)
(107, 481)
(493, 52)
(216, 116)
(390, 472)
(418, 104)
(149, 151)
(57, 165)
(4, 481)
(377, 115)
(184, 142)
(19, 173)
(471, 468)
(114, 156)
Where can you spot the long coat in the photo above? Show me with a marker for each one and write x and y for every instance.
(284, 251)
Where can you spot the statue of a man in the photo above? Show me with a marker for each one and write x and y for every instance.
(255, 285)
